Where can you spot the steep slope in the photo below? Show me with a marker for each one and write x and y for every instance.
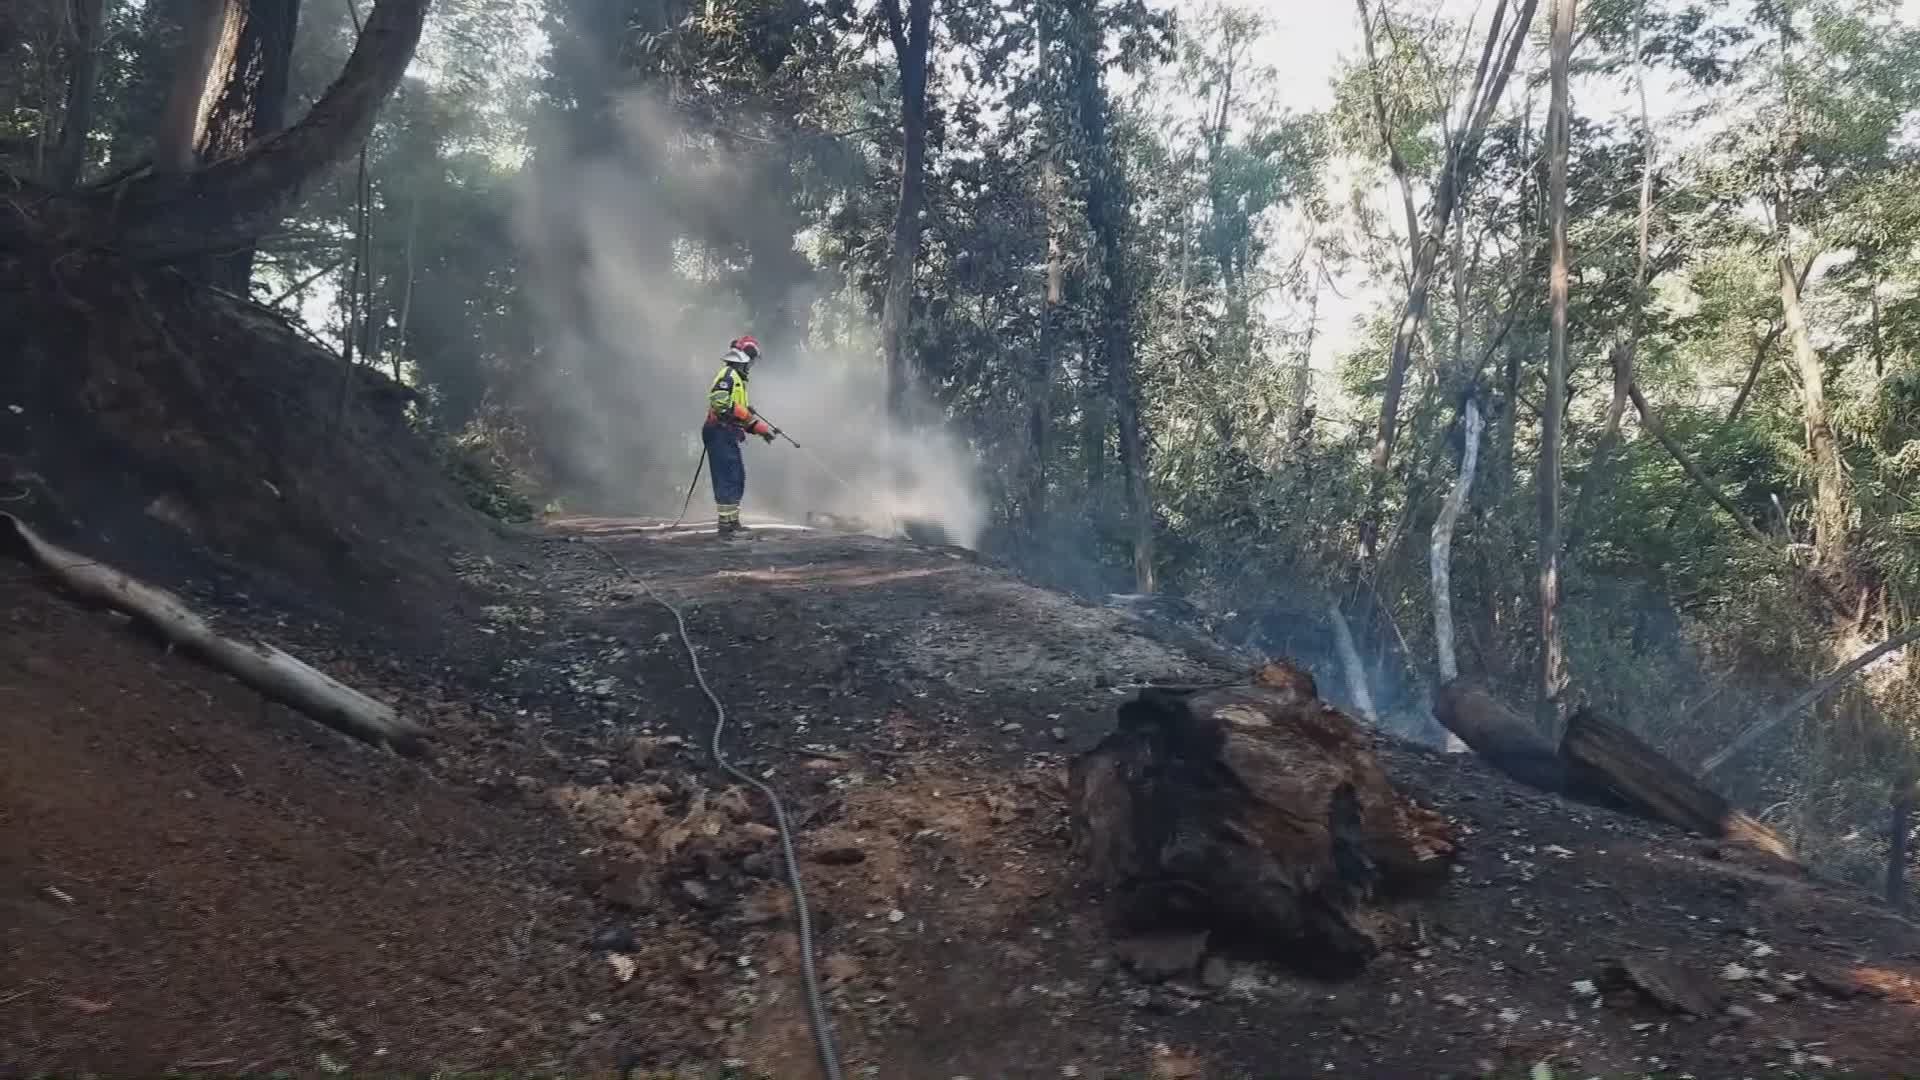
(568, 882)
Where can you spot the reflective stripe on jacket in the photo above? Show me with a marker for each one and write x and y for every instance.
(727, 403)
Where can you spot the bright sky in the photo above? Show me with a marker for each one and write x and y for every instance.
(1311, 41)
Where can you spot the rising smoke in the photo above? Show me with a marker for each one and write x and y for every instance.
(636, 325)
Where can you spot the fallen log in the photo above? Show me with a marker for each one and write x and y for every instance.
(259, 665)
(1253, 814)
(1603, 764)
(1508, 741)
(1605, 759)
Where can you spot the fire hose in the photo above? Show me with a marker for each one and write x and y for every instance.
(809, 976)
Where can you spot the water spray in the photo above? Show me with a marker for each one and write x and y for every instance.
(818, 463)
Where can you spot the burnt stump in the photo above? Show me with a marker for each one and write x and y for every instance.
(1255, 814)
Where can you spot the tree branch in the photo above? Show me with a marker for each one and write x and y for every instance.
(1815, 693)
(165, 219)
(1698, 475)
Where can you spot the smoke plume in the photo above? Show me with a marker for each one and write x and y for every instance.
(637, 319)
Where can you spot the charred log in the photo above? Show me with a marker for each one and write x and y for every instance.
(1603, 764)
(1607, 760)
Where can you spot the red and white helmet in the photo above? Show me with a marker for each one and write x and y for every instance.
(747, 348)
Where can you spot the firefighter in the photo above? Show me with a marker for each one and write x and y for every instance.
(729, 421)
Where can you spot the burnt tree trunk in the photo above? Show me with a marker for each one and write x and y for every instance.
(1508, 741)
(1604, 758)
(1906, 791)
(250, 105)
(1602, 764)
(168, 218)
(1255, 814)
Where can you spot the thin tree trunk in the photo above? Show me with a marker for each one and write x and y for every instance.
(1800, 704)
(1651, 422)
(1107, 214)
(359, 266)
(1040, 379)
(83, 78)
(1441, 551)
(1760, 352)
(406, 292)
(1906, 790)
(1830, 483)
(1553, 664)
(1040, 382)
(1499, 54)
(1623, 355)
(207, 23)
(910, 33)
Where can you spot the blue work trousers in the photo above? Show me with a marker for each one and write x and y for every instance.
(727, 466)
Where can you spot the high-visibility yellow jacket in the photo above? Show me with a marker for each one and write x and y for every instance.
(727, 403)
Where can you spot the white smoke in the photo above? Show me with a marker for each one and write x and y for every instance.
(634, 342)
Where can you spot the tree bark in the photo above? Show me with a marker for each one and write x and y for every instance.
(1106, 196)
(1441, 552)
(910, 33)
(251, 104)
(207, 25)
(1553, 664)
(83, 78)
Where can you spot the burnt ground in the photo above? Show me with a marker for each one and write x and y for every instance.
(192, 880)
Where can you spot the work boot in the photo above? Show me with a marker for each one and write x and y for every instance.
(732, 529)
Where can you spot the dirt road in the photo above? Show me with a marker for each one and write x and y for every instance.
(195, 881)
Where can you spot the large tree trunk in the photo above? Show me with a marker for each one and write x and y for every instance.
(910, 35)
(1553, 661)
(1107, 214)
(208, 25)
(167, 217)
(83, 78)
(251, 104)
(1254, 814)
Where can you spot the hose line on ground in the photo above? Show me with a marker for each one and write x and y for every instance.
(810, 978)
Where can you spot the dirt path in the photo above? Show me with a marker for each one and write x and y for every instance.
(190, 879)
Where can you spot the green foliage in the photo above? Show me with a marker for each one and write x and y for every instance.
(474, 461)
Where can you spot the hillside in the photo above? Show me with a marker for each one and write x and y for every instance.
(199, 882)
